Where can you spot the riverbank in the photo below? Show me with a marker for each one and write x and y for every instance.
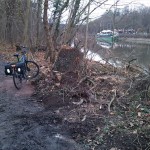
(105, 110)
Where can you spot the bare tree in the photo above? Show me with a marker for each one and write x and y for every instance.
(10, 9)
(50, 46)
(69, 33)
(26, 21)
(39, 12)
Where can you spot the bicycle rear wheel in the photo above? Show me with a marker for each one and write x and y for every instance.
(32, 69)
(17, 79)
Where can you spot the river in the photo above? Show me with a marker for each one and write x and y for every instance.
(122, 52)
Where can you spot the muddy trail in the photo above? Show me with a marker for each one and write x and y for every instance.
(24, 122)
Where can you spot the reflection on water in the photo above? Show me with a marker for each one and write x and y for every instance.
(107, 45)
(123, 52)
(96, 57)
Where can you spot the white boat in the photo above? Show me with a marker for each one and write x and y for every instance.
(107, 36)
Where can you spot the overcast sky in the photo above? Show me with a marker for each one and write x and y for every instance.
(122, 3)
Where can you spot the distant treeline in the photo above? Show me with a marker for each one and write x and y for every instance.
(136, 20)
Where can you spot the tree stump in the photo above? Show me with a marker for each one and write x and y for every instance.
(69, 59)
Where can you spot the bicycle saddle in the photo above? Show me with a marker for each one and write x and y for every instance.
(16, 55)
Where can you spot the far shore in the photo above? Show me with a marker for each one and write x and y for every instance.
(136, 40)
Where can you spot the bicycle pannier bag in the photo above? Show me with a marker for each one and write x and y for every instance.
(20, 67)
(8, 69)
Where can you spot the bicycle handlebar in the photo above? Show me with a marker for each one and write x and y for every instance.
(21, 48)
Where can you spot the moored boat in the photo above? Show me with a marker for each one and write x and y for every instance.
(107, 36)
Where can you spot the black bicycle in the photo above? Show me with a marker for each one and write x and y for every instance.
(22, 69)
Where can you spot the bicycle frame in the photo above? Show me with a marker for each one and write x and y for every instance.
(23, 57)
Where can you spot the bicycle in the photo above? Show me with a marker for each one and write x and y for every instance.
(22, 69)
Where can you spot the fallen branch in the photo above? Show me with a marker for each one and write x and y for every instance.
(82, 80)
(87, 78)
(78, 103)
(126, 91)
(114, 96)
(84, 118)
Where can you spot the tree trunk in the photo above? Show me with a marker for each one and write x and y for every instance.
(69, 31)
(86, 39)
(39, 12)
(25, 33)
(50, 47)
(10, 6)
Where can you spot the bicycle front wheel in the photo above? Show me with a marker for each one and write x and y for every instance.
(17, 79)
(32, 69)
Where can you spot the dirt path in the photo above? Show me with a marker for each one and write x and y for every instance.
(25, 124)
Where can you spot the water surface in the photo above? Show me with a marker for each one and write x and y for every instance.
(122, 52)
